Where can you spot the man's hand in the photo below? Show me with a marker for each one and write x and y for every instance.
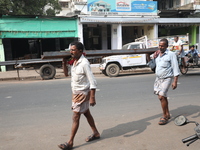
(64, 61)
(92, 97)
(92, 101)
(174, 84)
(64, 66)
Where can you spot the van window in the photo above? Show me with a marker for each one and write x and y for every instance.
(125, 47)
(134, 47)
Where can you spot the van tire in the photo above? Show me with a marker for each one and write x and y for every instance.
(112, 70)
(104, 72)
(47, 71)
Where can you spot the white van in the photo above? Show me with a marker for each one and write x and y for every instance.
(111, 65)
(134, 45)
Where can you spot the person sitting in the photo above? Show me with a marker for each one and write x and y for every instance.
(193, 54)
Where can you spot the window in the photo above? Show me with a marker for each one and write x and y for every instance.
(64, 4)
(170, 3)
(178, 3)
(135, 47)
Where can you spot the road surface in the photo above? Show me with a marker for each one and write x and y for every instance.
(36, 115)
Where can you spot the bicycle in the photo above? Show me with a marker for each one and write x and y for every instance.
(183, 70)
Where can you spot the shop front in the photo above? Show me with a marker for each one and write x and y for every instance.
(113, 32)
(27, 37)
(109, 24)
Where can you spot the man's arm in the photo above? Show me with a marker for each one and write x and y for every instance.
(93, 83)
(92, 97)
(90, 76)
(174, 84)
(172, 48)
(181, 49)
(176, 71)
(64, 66)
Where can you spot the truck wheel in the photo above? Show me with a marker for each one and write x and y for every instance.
(104, 72)
(112, 70)
(47, 71)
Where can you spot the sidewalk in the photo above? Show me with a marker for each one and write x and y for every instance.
(30, 74)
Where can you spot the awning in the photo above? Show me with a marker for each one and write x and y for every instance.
(24, 27)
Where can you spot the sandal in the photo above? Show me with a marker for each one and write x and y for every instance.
(65, 146)
(163, 121)
(92, 138)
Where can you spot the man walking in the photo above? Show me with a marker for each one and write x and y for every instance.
(83, 92)
(166, 70)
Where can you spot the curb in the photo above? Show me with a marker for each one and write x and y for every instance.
(61, 75)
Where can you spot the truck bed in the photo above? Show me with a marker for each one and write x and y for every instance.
(93, 53)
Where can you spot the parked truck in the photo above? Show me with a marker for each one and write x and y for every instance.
(46, 67)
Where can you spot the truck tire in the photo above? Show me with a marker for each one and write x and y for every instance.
(104, 72)
(47, 71)
(112, 70)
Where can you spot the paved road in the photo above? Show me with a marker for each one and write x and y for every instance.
(36, 115)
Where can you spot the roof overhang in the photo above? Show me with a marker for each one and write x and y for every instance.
(139, 20)
(179, 13)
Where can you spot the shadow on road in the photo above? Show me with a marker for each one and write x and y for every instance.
(127, 129)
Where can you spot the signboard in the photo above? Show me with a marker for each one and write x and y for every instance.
(121, 7)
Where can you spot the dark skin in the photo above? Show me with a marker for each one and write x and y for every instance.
(75, 53)
(164, 101)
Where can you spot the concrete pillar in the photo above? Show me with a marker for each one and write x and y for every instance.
(80, 31)
(199, 40)
(119, 36)
(2, 56)
(155, 31)
(116, 37)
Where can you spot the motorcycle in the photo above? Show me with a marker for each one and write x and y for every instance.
(182, 120)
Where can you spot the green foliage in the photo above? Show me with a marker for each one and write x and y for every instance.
(5, 6)
(30, 7)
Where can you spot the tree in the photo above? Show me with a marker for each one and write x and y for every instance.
(5, 6)
(30, 7)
